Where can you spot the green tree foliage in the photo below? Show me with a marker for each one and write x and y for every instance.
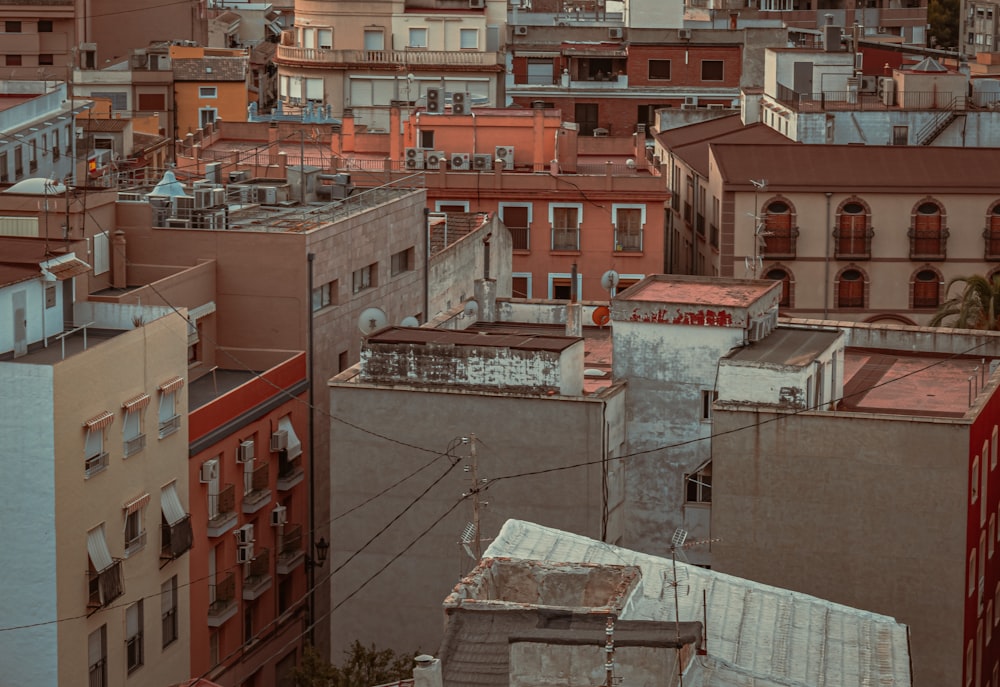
(975, 306)
(362, 667)
(942, 15)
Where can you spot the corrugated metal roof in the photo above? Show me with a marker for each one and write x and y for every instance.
(756, 635)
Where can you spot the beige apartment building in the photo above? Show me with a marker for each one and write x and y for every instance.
(92, 419)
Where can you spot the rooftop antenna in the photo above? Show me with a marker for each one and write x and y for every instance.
(610, 280)
(471, 534)
(674, 579)
(757, 262)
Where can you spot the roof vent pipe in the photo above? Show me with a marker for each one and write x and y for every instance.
(427, 672)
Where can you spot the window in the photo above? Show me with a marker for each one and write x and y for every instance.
(974, 484)
(170, 421)
(468, 39)
(343, 361)
(565, 221)
(585, 115)
(374, 39)
(119, 99)
(18, 161)
(540, 71)
(779, 274)
(152, 102)
(248, 623)
(992, 534)
(853, 232)
(992, 233)
(97, 652)
(314, 89)
(207, 116)
(133, 636)
(993, 447)
(659, 70)
(628, 229)
(699, 486)
(402, 262)
(780, 231)
(325, 295)
(427, 139)
(707, 399)
(106, 582)
(44, 26)
(521, 285)
(50, 296)
(926, 289)
(285, 596)
(711, 70)
(364, 278)
(46, 59)
(135, 524)
(208, 92)
(168, 611)
(95, 457)
(325, 39)
(418, 38)
(55, 144)
(12, 27)
(927, 232)
(4, 172)
(135, 413)
(517, 219)
(851, 289)
(175, 524)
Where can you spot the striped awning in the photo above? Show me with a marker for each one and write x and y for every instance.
(172, 384)
(136, 403)
(135, 504)
(97, 547)
(170, 504)
(100, 421)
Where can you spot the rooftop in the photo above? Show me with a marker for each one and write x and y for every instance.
(701, 291)
(495, 338)
(216, 383)
(787, 347)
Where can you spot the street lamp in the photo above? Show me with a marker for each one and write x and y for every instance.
(322, 549)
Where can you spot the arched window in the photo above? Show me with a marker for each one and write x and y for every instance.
(851, 289)
(926, 289)
(927, 233)
(853, 232)
(779, 274)
(992, 233)
(780, 231)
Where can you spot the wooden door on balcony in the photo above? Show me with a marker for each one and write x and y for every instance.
(778, 230)
(993, 234)
(515, 217)
(852, 227)
(927, 230)
(926, 289)
(851, 290)
(786, 286)
(586, 118)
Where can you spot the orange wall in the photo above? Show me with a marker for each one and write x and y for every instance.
(230, 103)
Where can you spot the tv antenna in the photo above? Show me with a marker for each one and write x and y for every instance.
(371, 320)
(472, 540)
(756, 263)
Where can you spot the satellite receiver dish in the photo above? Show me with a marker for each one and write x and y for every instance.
(610, 279)
(471, 309)
(410, 321)
(371, 320)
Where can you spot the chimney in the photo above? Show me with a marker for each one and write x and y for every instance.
(427, 672)
(574, 310)
(118, 280)
(831, 35)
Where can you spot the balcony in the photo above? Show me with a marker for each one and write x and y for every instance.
(257, 579)
(222, 603)
(136, 444)
(222, 511)
(853, 243)
(290, 472)
(928, 243)
(520, 236)
(168, 427)
(291, 554)
(566, 238)
(106, 586)
(992, 236)
(628, 242)
(256, 489)
(176, 539)
(291, 54)
(95, 464)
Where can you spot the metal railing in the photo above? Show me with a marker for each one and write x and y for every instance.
(106, 585)
(95, 464)
(291, 541)
(928, 244)
(168, 427)
(222, 504)
(176, 539)
(387, 57)
(222, 595)
(136, 444)
(628, 242)
(520, 237)
(259, 569)
(566, 238)
(857, 100)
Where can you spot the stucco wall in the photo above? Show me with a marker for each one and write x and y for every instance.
(402, 607)
(861, 510)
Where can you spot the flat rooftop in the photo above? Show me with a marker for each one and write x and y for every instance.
(63, 345)
(216, 383)
(498, 338)
(702, 291)
(788, 347)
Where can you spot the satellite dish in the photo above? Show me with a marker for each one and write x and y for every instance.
(471, 309)
(601, 316)
(410, 321)
(371, 320)
(609, 280)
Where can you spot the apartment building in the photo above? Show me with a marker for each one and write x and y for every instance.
(101, 531)
(209, 84)
(37, 137)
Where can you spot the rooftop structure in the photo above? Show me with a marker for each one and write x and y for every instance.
(37, 138)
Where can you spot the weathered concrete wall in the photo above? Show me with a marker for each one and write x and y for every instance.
(561, 665)
(515, 435)
(862, 510)
(453, 270)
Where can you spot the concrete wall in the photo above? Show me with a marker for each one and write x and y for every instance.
(402, 607)
(564, 665)
(862, 510)
(453, 270)
(29, 563)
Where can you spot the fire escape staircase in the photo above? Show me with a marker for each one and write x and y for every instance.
(941, 121)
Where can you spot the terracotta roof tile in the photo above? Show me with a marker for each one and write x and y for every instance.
(211, 69)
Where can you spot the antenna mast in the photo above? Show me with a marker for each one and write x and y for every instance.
(475, 494)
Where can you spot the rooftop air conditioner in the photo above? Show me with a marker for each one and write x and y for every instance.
(244, 535)
(267, 195)
(505, 153)
(482, 161)
(414, 158)
(433, 159)
(279, 440)
(684, 34)
(477, 4)
(239, 175)
(435, 100)
(614, 32)
(245, 452)
(209, 471)
(244, 554)
(689, 106)
(520, 30)
(460, 161)
(869, 84)
(279, 516)
(178, 223)
(461, 103)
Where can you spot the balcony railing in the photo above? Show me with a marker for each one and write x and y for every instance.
(928, 244)
(168, 427)
(858, 101)
(135, 444)
(992, 237)
(256, 491)
(290, 472)
(106, 585)
(257, 578)
(519, 237)
(222, 511)
(853, 244)
(628, 242)
(95, 464)
(291, 554)
(452, 58)
(175, 539)
(222, 600)
(566, 238)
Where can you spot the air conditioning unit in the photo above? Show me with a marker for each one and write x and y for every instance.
(684, 34)
(505, 153)
(182, 206)
(245, 452)
(477, 4)
(435, 101)
(520, 30)
(279, 516)
(886, 90)
(238, 176)
(482, 161)
(244, 554)
(715, 106)
(691, 100)
(882, 29)
(762, 326)
(218, 196)
(614, 32)
(869, 84)
(461, 103)
(209, 471)
(689, 106)
(178, 223)
(460, 161)
(433, 159)
(139, 59)
(414, 158)
(244, 535)
(202, 198)
(267, 195)
(279, 441)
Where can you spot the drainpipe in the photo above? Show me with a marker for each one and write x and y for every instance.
(427, 264)
(311, 569)
(826, 265)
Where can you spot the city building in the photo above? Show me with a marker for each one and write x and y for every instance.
(37, 137)
(209, 84)
(100, 527)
